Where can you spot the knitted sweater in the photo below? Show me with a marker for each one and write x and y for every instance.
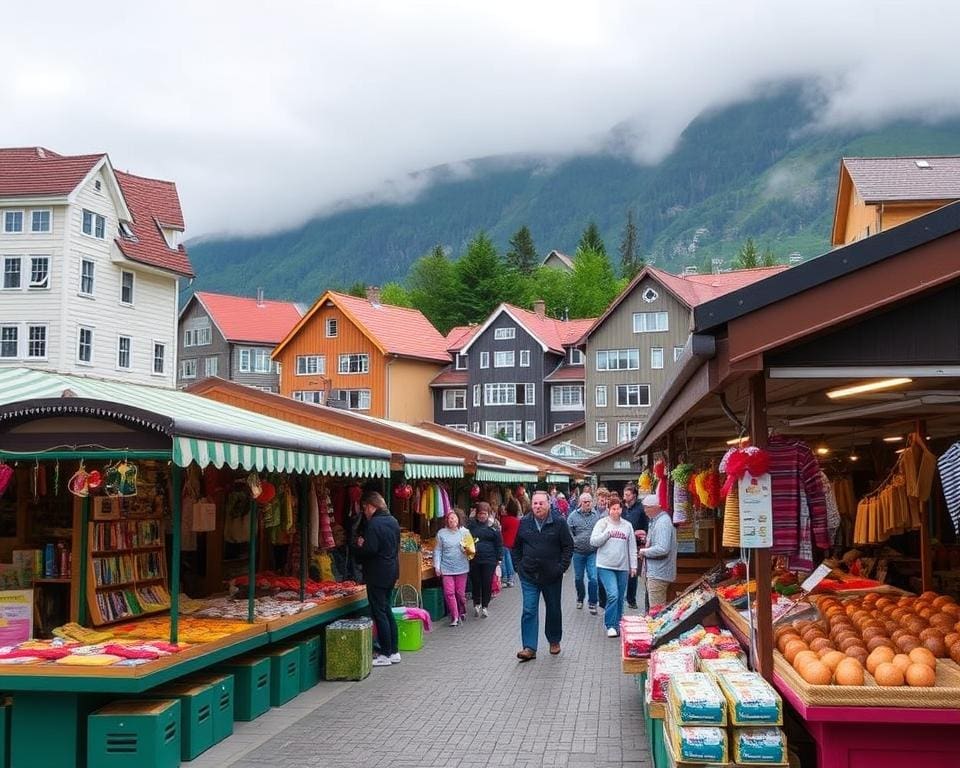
(616, 544)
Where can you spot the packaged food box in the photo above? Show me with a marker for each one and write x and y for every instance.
(665, 662)
(751, 700)
(695, 743)
(724, 664)
(696, 700)
(759, 745)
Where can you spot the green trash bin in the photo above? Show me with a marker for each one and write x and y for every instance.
(348, 651)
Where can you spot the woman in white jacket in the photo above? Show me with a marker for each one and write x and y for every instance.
(616, 560)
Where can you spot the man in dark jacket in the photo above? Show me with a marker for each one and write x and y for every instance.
(633, 513)
(379, 550)
(489, 547)
(543, 550)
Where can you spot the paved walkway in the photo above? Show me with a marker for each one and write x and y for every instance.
(463, 701)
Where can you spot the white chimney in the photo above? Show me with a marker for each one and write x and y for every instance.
(259, 297)
(540, 308)
(373, 295)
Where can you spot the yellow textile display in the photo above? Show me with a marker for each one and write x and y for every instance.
(93, 660)
(731, 520)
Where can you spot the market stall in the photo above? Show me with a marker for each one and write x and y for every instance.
(852, 415)
(130, 459)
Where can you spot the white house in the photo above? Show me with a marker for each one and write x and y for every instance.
(90, 259)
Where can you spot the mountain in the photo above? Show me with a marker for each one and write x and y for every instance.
(755, 169)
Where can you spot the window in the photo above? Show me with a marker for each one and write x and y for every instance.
(576, 356)
(650, 322)
(94, 224)
(511, 430)
(476, 396)
(123, 352)
(458, 427)
(476, 427)
(98, 185)
(357, 399)
(566, 397)
(484, 359)
(37, 342)
(524, 358)
(627, 431)
(308, 365)
(677, 351)
(11, 272)
(461, 362)
(314, 396)
(618, 359)
(9, 341)
(454, 399)
(40, 221)
(601, 396)
(529, 431)
(331, 328)
(211, 366)
(12, 221)
(601, 431)
(504, 333)
(198, 336)
(188, 369)
(126, 287)
(39, 272)
(650, 295)
(86, 277)
(159, 357)
(85, 345)
(563, 425)
(656, 357)
(499, 394)
(633, 395)
(353, 364)
(255, 360)
(527, 394)
(503, 359)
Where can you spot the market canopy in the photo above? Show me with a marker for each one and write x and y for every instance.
(200, 430)
(512, 472)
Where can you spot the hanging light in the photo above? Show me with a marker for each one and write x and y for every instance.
(823, 449)
(853, 456)
(893, 439)
(870, 386)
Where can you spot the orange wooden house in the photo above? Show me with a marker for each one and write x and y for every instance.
(371, 357)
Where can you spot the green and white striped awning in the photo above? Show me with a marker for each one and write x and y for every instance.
(512, 473)
(201, 430)
(553, 477)
(431, 468)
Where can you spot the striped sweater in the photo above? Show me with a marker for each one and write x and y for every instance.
(794, 467)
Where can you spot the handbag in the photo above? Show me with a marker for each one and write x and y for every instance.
(469, 545)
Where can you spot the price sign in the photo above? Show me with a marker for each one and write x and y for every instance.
(819, 574)
(756, 511)
(16, 616)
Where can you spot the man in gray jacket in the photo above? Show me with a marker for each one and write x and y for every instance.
(581, 522)
(659, 556)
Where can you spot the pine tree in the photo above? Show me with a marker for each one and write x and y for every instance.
(596, 284)
(433, 289)
(748, 257)
(590, 240)
(482, 284)
(522, 256)
(630, 263)
(768, 259)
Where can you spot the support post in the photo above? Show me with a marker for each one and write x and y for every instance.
(764, 620)
(926, 552)
(176, 509)
(252, 563)
(80, 562)
(303, 521)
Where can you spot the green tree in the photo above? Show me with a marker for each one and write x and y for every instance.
(553, 286)
(748, 257)
(594, 284)
(630, 262)
(395, 295)
(358, 289)
(768, 259)
(590, 240)
(433, 288)
(522, 256)
(481, 279)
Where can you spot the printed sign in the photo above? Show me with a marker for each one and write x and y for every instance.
(16, 616)
(756, 511)
(810, 583)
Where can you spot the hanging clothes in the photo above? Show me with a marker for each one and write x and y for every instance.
(949, 468)
(793, 468)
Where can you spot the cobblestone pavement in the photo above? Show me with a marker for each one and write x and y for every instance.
(463, 701)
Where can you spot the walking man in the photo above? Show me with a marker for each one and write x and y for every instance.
(542, 551)
(581, 522)
(633, 513)
(379, 550)
(660, 555)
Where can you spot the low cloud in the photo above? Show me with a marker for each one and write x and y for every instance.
(264, 119)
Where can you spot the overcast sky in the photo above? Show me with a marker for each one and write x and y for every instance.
(264, 113)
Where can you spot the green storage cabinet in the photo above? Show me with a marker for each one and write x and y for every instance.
(134, 734)
(348, 651)
(433, 602)
(4, 732)
(284, 674)
(251, 686)
(310, 653)
(196, 714)
(223, 700)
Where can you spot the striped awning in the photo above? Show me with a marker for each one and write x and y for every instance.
(201, 430)
(507, 474)
(553, 477)
(431, 468)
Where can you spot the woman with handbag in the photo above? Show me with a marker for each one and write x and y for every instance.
(452, 565)
(489, 548)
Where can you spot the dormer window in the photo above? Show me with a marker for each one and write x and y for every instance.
(125, 232)
(650, 295)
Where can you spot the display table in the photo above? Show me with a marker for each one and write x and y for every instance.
(44, 694)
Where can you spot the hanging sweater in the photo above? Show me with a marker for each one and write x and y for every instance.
(616, 544)
(792, 467)
(448, 554)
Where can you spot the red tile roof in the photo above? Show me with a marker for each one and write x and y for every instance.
(460, 335)
(450, 377)
(153, 203)
(397, 331)
(567, 373)
(555, 334)
(35, 171)
(692, 290)
(243, 319)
